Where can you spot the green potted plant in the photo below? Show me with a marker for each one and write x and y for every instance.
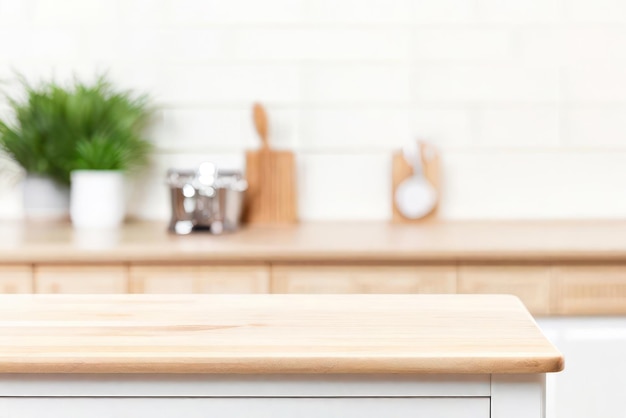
(30, 134)
(107, 125)
(86, 135)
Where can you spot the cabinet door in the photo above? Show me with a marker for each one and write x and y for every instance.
(593, 383)
(81, 279)
(363, 279)
(199, 279)
(590, 289)
(16, 279)
(530, 283)
(25, 407)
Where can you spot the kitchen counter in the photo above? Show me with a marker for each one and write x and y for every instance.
(556, 268)
(278, 356)
(309, 242)
(271, 334)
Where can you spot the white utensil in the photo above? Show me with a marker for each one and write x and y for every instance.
(415, 197)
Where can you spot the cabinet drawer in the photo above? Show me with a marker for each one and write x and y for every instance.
(16, 279)
(530, 283)
(199, 279)
(364, 279)
(590, 289)
(81, 279)
(25, 407)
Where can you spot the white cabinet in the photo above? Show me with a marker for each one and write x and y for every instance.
(245, 407)
(271, 396)
(593, 383)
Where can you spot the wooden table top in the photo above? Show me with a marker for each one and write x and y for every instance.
(374, 241)
(271, 334)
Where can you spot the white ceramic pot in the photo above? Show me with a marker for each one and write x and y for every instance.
(97, 199)
(44, 199)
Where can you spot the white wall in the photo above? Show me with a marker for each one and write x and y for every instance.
(527, 99)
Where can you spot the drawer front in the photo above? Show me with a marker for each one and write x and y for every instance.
(16, 279)
(530, 283)
(363, 279)
(244, 407)
(200, 279)
(590, 289)
(81, 279)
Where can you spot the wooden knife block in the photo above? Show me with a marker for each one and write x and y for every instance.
(271, 195)
(401, 170)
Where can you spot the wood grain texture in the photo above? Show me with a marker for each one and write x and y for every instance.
(16, 279)
(81, 279)
(531, 284)
(199, 279)
(401, 170)
(363, 279)
(343, 242)
(271, 334)
(271, 196)
(590, 290)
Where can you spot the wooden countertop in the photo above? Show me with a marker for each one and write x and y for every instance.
(449, 241)
(271, 334)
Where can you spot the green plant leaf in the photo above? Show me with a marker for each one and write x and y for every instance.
(58, 129)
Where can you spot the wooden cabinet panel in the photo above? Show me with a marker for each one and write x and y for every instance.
(200, 279)
(530, 283)
(363, 279)
(81, 279)
(590, 289)
(16, 279)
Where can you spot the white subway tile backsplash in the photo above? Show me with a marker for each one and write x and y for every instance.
(538, 46)
(596, 44)
(49, 44)
(443, 127)
(197, 45)
(473, 43)
(594, 83)
(356, 83)
(336, 44)
(601, 127)
(142, 78)
(231, 84)
(203, 129)
(142, 13)
(534, 186)
(74, 12)
(14, 13)
(518, 127)
(186, 12)
(464, 83)
(344, 187)
(604, 11)
(517, 94)
(357, 11)
(224, 130)
(355, 130)
(526, 11)
(157, 46)
(444, 11)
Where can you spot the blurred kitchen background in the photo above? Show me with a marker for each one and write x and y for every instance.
(525, 99)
